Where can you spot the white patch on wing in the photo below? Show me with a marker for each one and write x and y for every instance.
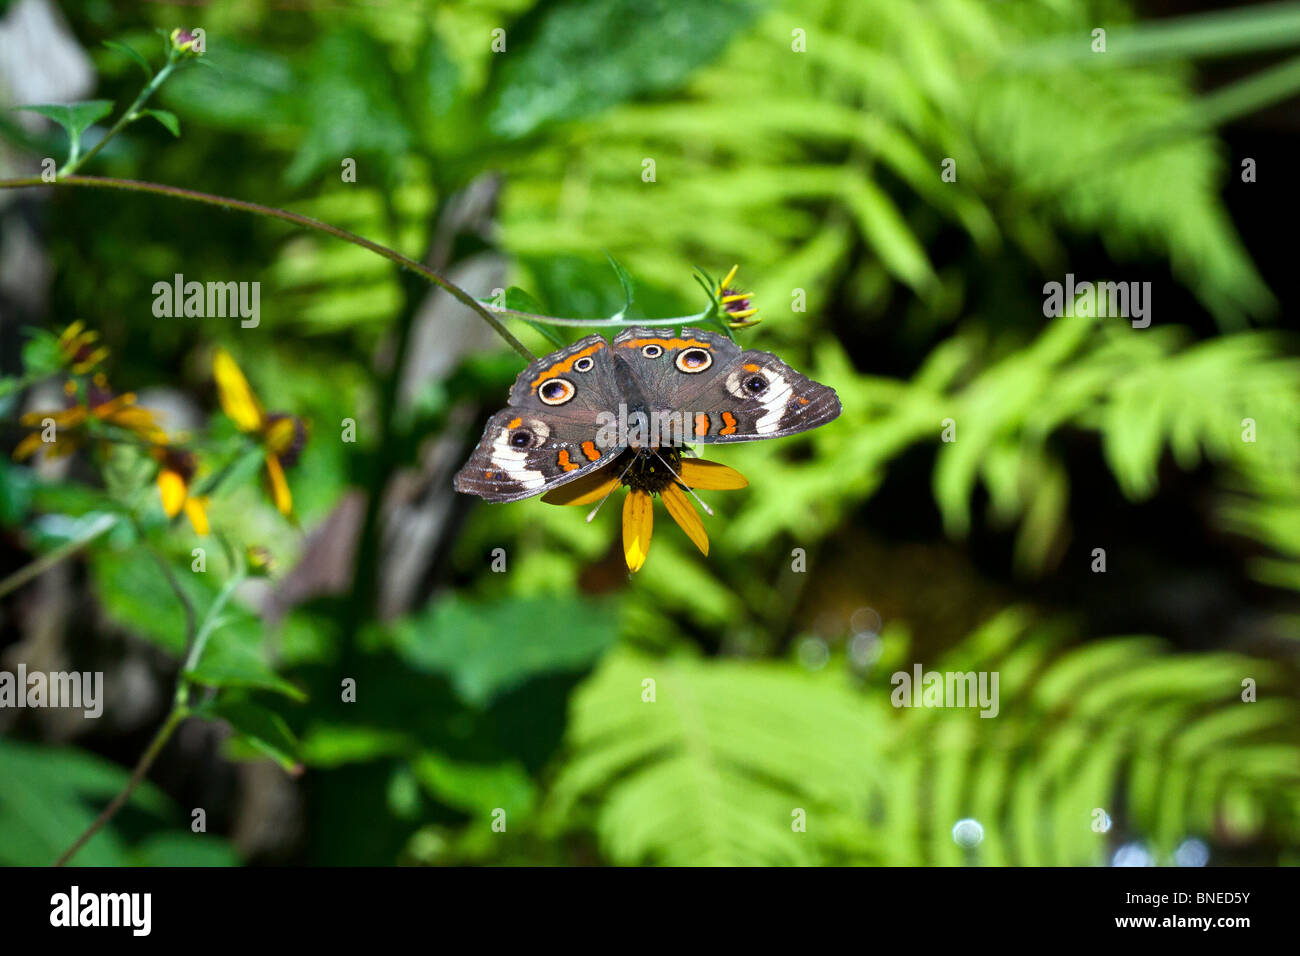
(513, 462)
(778, 397)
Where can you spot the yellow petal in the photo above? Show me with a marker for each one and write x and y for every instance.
(584, 490)
(237, 399)
(730, 275)
(97, 356)
(279, 487)
(67, 418)
(638, 523)
(105, 411)
(27, 447)
(683, 512)
(129, 416)
(71, 332)
(198, 515)
(711, 476)
(171, 489)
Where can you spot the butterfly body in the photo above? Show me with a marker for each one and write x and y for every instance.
(641, 396)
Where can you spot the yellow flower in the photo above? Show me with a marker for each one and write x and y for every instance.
(282, 436)
(174, 478)
(70, 424)
(646, 474)
(736, 305)
(80, 353)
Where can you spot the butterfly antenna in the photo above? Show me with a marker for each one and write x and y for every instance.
(611, 491)
(707, 510)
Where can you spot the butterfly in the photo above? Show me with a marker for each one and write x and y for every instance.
(636, 400)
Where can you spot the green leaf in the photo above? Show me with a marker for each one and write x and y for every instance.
(135, 595)
(349, 105)
(712, 768)
(17, 487)
(167, 118)
(578, 57)
(184, 849)
(333, 745)
(51, 795)
(475, 787)
(76, 118)
(133, 54)
(488, 647)
(234, 657)
(263, 729)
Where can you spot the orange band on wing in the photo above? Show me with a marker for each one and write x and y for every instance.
(666, 343)
(751, 367)
(591, 451)
(565, 365)
(564, 460)
(730, 421)
(515, 423)
(701, 424)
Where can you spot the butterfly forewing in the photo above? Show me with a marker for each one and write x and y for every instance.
(546, 436)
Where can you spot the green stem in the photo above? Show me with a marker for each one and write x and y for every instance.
(224, 202)
(603, 323)
(191, 619)
(65, 550)
(174, 718)
(489, 314)
(131, 114)
(210, 621)
(180, 706)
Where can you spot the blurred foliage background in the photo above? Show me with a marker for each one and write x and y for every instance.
(805, 141)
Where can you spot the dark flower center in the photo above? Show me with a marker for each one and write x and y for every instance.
(649, 471)
(289, 455)
(740, 305)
